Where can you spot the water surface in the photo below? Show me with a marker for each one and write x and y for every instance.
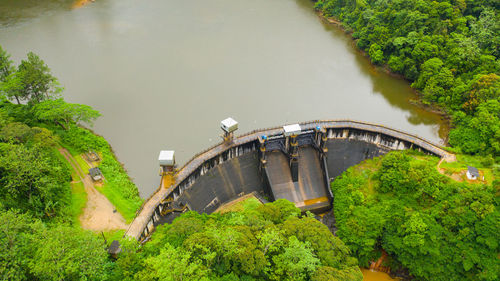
(369, 275)
(165, 72)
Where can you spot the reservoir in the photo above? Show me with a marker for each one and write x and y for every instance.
(163, 73)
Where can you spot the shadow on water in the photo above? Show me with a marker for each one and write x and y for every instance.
(18, 11)
(396, 91)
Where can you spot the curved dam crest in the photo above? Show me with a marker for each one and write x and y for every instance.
(251, 163)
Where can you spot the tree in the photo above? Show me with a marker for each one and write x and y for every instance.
(6, 67)
(297, 262)
(13, 87)
(376, 54)
(481, 89)
(16, 248)
(33, 180)
(44, 137)
(486, 30)
(16, 132)
(4, 118)
(173, 264)
(430, 68)
(479, 133)
(67, 253)
(129, 260)
(278, 211)
(64, 114)
(38, 84)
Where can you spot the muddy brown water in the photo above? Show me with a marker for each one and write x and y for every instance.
(370, 275)
(165, 72)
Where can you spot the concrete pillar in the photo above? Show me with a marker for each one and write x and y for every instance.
(322, 147)
(320, 138)
(294, 157)
(262, 151)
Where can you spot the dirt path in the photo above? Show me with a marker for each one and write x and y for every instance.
(454, 176)
(98, 214)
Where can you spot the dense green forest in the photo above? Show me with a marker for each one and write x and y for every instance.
(260, 242)
(437, 228)
(449, 49)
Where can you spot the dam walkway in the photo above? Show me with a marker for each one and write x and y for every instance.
(349, 142)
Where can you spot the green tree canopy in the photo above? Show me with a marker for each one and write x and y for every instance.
(261, 242)
(66, 253)
(37, 82)
(64, 114)
(436, 228)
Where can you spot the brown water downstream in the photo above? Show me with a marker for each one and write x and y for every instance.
(370, 275)
(164, 72)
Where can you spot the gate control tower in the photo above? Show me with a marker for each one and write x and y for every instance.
(228, 125)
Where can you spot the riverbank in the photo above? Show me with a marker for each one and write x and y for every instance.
(116, 185)
(91, 209)
(428, 107)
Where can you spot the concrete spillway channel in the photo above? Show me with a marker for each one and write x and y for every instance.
(324, 149)
(310, 192)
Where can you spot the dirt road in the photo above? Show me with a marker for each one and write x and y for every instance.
(98, 214)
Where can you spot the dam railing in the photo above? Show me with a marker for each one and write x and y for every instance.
(149, 212)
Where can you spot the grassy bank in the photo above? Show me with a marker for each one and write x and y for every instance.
(116, 186)
(78, 201)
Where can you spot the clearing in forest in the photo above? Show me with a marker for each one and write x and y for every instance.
(99, 214)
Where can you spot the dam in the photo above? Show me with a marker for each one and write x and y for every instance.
(296, 162)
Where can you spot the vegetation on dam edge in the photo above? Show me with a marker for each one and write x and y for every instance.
(259, 242)
(430, 224)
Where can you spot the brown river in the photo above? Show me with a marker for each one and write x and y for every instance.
(163, 73)
(369, 275)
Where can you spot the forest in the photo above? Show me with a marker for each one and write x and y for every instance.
(432, 225)
(259, 242)
(448, 49)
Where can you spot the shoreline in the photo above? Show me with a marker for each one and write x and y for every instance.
(117, 186)
(432, 108)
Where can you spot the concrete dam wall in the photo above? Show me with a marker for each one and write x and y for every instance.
(298, 168)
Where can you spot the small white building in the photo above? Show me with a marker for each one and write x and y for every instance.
(95, 174)
(229, 125)
(472, 173)
(167, 161)
(166, 158)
